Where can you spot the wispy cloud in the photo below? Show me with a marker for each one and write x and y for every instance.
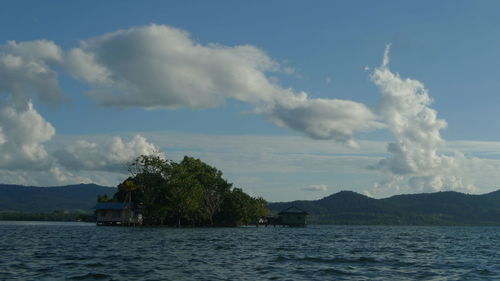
(316, 188)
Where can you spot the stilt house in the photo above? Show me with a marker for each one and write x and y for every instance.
(293, 216)
(114, 213)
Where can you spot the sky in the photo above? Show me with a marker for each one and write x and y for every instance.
(289, 99)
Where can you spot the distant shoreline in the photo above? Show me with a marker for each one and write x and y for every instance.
(59, 216)
(343, 208)
(310, 224)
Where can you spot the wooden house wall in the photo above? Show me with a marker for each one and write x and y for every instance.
(293, 219)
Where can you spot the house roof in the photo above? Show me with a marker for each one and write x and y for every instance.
(293, 210)
(111, 205)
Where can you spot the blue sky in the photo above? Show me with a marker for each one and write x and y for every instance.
(265, 136)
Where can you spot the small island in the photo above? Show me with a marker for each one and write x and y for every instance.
(161, 192)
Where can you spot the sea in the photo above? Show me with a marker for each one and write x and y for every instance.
(83, 251)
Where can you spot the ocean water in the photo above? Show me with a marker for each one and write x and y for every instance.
(82, 251)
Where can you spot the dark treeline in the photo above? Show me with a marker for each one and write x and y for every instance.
(189, 193)
(52, 216)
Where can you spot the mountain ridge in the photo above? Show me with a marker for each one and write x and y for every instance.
(438, 208)
(78, 197)
(344, 207)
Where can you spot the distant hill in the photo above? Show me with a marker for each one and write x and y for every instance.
(81, 197)
(345, 207)
(440, 208)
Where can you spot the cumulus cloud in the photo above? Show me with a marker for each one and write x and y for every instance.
(23, 131)
(112, 156)
(23, 156)
(159, 66)
(405, 109)
(322, 118)
(26, 71)
(316, 188)
(152, 67)
(51, 177)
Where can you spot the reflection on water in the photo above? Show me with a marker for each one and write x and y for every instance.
(81, 251)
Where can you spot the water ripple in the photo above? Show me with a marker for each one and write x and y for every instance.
(62, 251)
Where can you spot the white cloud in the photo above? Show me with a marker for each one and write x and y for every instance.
(405, 108)
(159, 66)
(23, 156)
(50, 177)
(277, 166)
(104, 162)
(315, 188)
(23, 132)
(322, 118)
(112, 156)
(63, 177)
(25, 71)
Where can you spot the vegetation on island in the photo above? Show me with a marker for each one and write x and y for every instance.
(188, 193)
(75, 202)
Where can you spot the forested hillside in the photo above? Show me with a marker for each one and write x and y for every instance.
(74, 198)
(440, 208)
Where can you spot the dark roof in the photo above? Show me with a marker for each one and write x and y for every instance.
(111, 206)
(293, 210)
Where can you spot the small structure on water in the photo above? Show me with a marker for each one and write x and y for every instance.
(291, 216)
(116, 213)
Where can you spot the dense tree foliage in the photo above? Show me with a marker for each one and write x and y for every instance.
(189, 193)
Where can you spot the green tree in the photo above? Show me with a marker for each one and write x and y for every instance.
(213, 187)
(240, 208)
(104, 198)
(149, 175)
(184, 194)
(187, 193)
